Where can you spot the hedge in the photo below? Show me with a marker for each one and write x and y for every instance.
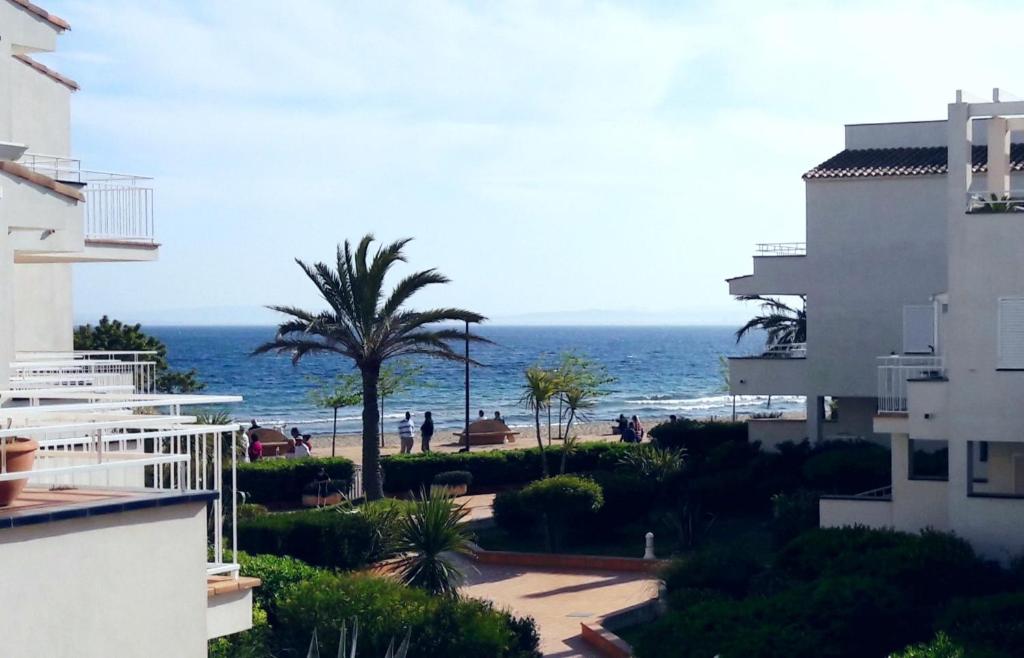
(322, 537)
(992, 624)
(280, 481)
(496, 468)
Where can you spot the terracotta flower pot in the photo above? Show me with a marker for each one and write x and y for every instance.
(450, 489)
(326, 500)
(21, 454)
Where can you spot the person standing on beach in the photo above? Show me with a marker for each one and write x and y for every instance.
(426, 431)
(480, 415)
(405, 433)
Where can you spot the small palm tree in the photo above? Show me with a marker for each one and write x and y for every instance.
(369, 328)
(432, 532)
(783, 324)
(540, 388)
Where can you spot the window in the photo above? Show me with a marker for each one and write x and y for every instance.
(983, 452)
(919, 329)
(928, 460)
(1011, 333)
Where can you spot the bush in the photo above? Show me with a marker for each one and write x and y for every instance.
(848, 467)
(453, 478)
(385, 518)
(698, 437)
(495, 468)
(719, 569)
(512, 516)
(281, 481)
(439, 626)
(323, 538)
(562, 501)
(940, 647)
(793, 514)
(276, 573)
(628, 499)
(992, 626)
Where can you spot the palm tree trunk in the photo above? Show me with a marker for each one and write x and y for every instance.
(565, 440)
(334, 437)
(540, 443)
(372, 484)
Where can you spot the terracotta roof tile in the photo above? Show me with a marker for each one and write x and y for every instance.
(47, 71)
(23, 172)
(903, 161)
(55, 21)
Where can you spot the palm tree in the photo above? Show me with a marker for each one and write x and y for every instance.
(540, 387)
(362, 325)
(432, 531)
(783, 324)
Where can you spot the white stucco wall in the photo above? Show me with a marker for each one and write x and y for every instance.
(43, 307)
(40, 111)
(136, 585)
(917, 504)
(840, 512)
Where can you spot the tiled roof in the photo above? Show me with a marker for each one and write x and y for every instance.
(55, 21)
(47, 71)
(35, 178)
(903, 161)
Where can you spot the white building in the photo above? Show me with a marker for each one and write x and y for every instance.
(915, 287)
(115, 548)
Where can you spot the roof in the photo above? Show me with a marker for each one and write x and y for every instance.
(47, 71)
(23, 172)
(903, 161)
(39, 12)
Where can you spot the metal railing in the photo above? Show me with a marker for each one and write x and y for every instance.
(985, 202)
(48, 370)
(117, 206)
(895, 371)
(786, 351)
(780, 249)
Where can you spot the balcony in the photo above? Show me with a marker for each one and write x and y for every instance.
(894, 373)
(991, 203)
(118, 207)
(873, 509)
(781, 370)
(780, 268)
(82, 373)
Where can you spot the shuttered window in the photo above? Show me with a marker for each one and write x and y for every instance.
(1011, 332)
(918, 329)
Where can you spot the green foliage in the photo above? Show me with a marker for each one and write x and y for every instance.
(344, 391)
(793, 514)
(783, 324)
(439, 626)
(992, 626)
(940, 647)
(724, 570)
(386, 517)
(511, 515)
(847, 467)
(115, 336)
(628, 499)
(323, 538)
(454, 478)
(431, 533)
(560, 502)
(282, 481)
(658, 464)
(276, 573)
(697, 437)
(494, 468)
(253, 643)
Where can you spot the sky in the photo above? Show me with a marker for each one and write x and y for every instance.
(598, 162)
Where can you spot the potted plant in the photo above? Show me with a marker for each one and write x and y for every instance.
(454, 483)
(16, 456)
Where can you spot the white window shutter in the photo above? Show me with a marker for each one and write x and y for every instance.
(918, 329)
(1011, 332)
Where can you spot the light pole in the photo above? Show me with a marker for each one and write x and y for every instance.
(465, 434)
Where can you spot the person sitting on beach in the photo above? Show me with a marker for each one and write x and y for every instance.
(672, 418)
(301, 449)
(255, 448)
(638, 428)
(426, 431)
(628, 435)
(622, 424)
(405, 433)
(497, 416)
(480, 415)
(290, 450)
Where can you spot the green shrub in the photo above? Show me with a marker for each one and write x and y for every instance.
(793, 514)
(439, 626)
(275, 573)
(512, 516)
(561, 502)
(385, 518)
(281, 481)
(495, 468)
(940, 647)
(323, 538)
(253, 643)
(453, 478)
(628, 499)
(698, 437)
(720, 569)
(848, 467)
(992, 626)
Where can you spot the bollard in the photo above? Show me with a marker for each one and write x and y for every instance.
(649, 547)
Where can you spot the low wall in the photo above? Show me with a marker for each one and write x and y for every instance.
(578, 562)
(773, 431)
(837, 511)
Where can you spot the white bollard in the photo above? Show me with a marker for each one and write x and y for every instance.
(649, 548)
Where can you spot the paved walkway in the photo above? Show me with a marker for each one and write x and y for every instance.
(480, 506)
(559, 600)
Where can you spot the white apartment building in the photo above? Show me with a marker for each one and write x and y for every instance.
(115, 547)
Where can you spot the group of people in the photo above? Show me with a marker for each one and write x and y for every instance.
(298, 445)
(406, 433)
(630, 430)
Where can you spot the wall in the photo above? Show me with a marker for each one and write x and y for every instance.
(43, 307)
(855, 421)
(902, 133)
(40, 111)
(137, 585)
(773, 431)
(999, 470)
(917, 504)
(873, 245)
(839, 512)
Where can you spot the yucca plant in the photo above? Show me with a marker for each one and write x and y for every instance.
(656, 463)
(344, 651)
(433, 532)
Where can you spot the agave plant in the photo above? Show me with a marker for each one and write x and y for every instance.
(656, 463)
(431, 533)
(344, 651)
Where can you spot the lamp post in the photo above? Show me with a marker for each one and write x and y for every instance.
(465, 433)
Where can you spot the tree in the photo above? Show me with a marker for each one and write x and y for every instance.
(394, 378)
(432, 530)
(580, 383)
(115, 336)
(723, 372)
(783, 324)
(540, 388)
(345, 391)
(365, 326)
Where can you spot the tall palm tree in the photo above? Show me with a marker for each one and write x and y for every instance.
(783, 324)
(363, 325)
(540, 387)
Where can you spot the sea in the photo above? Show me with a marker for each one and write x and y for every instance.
(657, 371)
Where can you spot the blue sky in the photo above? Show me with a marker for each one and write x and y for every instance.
(548, 156)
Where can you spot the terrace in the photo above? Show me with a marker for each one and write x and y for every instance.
(779, 269)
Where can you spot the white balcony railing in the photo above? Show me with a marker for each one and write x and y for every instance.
(895, 371)
(786, 351)
(50, 370)
(117, 206)
(995, 202)
(780, 249)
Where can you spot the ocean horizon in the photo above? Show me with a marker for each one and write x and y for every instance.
(658, 371)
